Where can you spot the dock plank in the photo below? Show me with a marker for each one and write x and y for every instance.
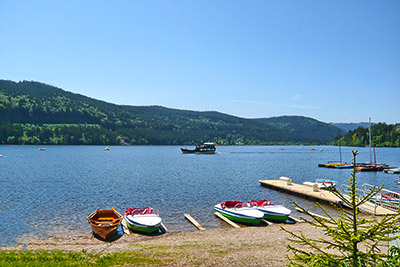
(194, 222)
(222, 217)
(314, 214)
(322, 195)
(125, 227)
(163, 226)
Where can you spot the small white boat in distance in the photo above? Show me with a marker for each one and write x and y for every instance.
(325, 183)
(395, 170)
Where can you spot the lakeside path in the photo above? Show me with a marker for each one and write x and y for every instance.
(249, 246)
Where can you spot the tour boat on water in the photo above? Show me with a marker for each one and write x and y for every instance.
(206, 148)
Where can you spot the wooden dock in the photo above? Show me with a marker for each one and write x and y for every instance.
(286, 185)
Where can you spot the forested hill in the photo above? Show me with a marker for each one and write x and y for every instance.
(36, 113)
(303, 129)
(345, 127)
(383, 135)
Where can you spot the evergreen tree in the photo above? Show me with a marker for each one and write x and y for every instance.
(346, 235)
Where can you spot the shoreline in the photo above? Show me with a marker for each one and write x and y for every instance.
(229, 246)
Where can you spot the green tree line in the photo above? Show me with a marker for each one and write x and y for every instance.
(37, 113)
(384, 135)
(30, 134)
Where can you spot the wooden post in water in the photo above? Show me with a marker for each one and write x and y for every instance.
(222, 217)
(194, 222)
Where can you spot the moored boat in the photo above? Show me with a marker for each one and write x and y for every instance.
(336, 165)
(240, 212)
(105, 222)
(393, 170)
(272, 212)
(387, 199)
(144, 220)
(206, 148)
(325, 183)
(371, 166)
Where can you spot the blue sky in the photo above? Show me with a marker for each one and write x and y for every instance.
(335, 61)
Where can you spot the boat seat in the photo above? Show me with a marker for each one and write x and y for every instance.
(230, 204)
(264, 202)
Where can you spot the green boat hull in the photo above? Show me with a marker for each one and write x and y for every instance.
(249, 221)
(276, 218)
(142, 229)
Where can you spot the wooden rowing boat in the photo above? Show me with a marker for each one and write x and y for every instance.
(105, 222)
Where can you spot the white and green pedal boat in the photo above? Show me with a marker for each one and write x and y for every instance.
(272, 212)
(143, 220)
(239, 212)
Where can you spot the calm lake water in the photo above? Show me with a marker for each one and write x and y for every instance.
(51, 192)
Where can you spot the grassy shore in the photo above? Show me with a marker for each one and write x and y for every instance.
(250, 246)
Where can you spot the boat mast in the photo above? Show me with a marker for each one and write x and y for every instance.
(340, 148)
(372, 137)
(370, 152)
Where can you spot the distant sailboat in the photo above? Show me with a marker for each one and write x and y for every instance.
(335, 164)
(371, 166)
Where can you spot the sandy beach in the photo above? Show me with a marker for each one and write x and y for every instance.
(249, 246)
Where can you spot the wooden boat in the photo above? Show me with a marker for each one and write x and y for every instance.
(144, 220)
(272, 212)
(206, 148)
(105, 222)
(41, 149)
(240, 212)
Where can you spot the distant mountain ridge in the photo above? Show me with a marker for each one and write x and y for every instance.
(33, 112)
(350, 126)
(303, 129)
